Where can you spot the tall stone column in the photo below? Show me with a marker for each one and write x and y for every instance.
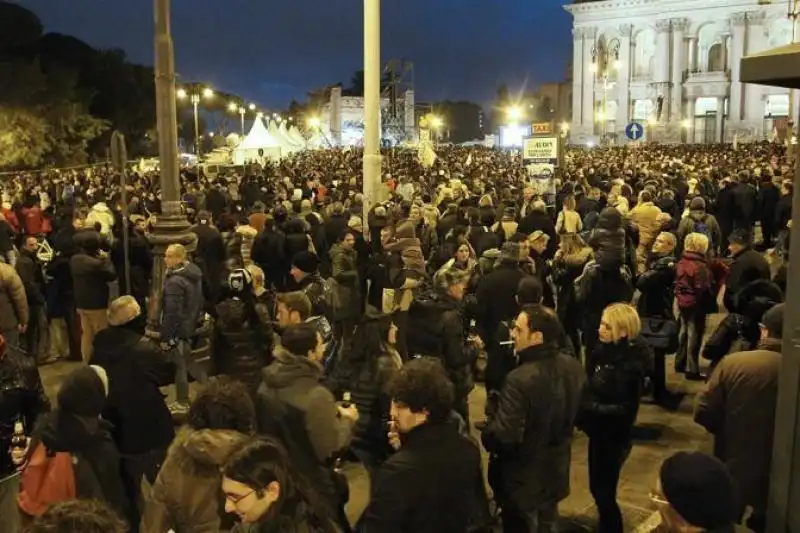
(691, 108)
(624, 76)
(679, 27)
(171, 225)
(661, 74)
(589, 35)
(738, 27)
(579, 70)
(720, 137)
(753, 102)
(692, 54)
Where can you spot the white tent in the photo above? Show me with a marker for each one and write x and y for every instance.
(287, 145)
(259, 139)
(296, 136)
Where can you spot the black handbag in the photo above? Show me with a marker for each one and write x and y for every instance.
(660, 333)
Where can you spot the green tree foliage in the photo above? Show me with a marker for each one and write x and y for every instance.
(60, 98)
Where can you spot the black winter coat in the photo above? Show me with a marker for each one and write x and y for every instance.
(657, 287)
(135, 406)
(242, 348)
(210, 258)
(530, 436)
(437, 322)
(496, 298)
(22, 398)
(90, 278)
(565, 271)
(611, 400)
(269, 252)
(431, 485)
(97, 472)
(540, 220)
(747, 266)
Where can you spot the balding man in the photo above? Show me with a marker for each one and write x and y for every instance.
(181, 310)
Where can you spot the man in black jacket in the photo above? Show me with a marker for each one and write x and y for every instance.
(748, 266)
(210, 256)
(22, 399)
(141, 423)
(530, 437)
(32, 276)
(91, 272)
(433, 483)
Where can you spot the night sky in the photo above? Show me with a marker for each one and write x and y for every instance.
(272, 51)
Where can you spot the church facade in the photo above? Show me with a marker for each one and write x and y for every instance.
(673, 66)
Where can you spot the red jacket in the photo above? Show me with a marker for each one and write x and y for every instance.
(33, 222)
(11, 218)
(693, 279)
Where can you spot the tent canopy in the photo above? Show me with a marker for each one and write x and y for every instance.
(779, 67)
(258, 137)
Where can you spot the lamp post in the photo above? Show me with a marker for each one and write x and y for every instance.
(171, 225)
(372, 104)
(195, 97)
(604, 53)
(235, 107)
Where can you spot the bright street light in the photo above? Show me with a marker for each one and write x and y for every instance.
(314, 122)
(437, 122)
(652, 121)
(514, 113)
(686, 124)
(233, 107)
(565, 127)
(207, 93)
(181, 93)
(252, 107)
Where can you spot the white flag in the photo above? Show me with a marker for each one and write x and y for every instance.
(469, 159)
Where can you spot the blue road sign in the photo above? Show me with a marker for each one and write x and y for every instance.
(634, 131)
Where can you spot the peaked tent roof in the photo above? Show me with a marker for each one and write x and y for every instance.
(258, 137)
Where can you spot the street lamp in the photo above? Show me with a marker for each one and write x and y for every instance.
(314, 122)
(195, 97)
(514, 114)
(605, 56)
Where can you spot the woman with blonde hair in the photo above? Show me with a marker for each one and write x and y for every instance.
(568, 221)
(608, 409)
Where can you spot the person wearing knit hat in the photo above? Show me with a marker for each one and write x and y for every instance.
(695, 490)
(305, 273)
(304, 263)
(76, 427)
(738, 408)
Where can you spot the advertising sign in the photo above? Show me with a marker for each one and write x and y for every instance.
(540, 158)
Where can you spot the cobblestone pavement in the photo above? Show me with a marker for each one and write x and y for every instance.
(660, 433)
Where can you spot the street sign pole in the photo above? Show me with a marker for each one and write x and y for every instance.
(119, 158)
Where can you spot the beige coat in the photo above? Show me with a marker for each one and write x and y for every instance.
(13, 301)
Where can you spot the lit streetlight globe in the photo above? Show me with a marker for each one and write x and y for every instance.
(232, 106)
(514, 113)
(314, 122)
(208, 93)
(181, 93)
(252, 107)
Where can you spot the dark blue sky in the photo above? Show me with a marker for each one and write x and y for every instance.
(274, 50)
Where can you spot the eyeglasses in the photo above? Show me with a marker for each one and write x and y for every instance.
(236, 499)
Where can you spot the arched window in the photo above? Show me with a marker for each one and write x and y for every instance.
(716, 60)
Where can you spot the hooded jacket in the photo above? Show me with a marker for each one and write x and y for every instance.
(187, 495)
(90, 278)
(76, 427)
(182, 302)
(565, 270)
(295, 408)
(135, 406)
(100, 213)
(345, 272)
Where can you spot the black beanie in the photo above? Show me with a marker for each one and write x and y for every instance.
(307, 262)
(82, 393)
(699, 487)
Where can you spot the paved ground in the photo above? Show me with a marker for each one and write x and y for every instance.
(661, 433)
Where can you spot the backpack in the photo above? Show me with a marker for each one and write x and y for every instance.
(47, 478)
(701, 226)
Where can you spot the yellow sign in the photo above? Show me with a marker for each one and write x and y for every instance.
(541, 127)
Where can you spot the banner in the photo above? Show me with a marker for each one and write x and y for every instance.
(541, 149)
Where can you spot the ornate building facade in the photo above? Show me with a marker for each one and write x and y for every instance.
(674, 66)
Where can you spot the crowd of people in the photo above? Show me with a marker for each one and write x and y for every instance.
(338, 332)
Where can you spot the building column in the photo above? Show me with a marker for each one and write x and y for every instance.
(690, 112)
(661, 74)
(588, 108)
(624, 77)
(579, 70)
(692, 53)
(738, 25)
(720, 116)
(679, 27)
(753, 101)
